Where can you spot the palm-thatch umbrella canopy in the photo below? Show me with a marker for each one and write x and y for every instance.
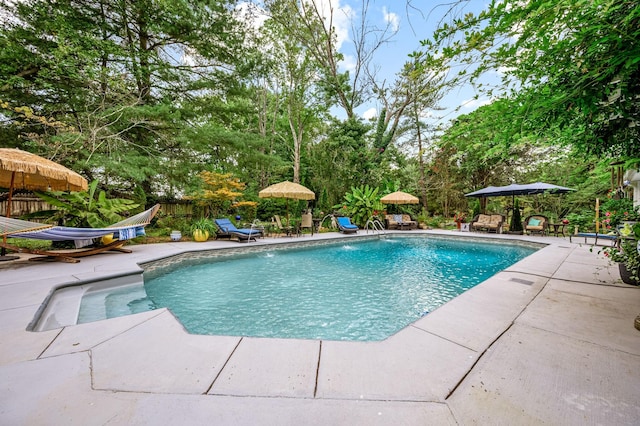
(23, 170)
(289, 191)
(399, 197)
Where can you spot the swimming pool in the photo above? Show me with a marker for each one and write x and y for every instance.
(348, 291)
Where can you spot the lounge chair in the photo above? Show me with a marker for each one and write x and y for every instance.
(536, 224)
(82, 237)
(345, 225)
(226, 229)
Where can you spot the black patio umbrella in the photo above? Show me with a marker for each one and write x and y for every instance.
(518, 189)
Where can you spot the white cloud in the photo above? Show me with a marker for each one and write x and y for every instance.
(475, 103)
(348, 63)
(369, 114)
(391, 18)
(504, 70)
(342, 16)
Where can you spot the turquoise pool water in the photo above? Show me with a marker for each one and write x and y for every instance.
(352, 291)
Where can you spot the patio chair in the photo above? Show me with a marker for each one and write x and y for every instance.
(226, 229)
(345, 225)
(536, 223)
(83, 238)
(306, 222)
(284, 229)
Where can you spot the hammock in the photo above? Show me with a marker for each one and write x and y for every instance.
(124, 230)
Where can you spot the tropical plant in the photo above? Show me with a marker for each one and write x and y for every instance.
(88, 209)
(362, 203)
(202, 224)
(202, 228)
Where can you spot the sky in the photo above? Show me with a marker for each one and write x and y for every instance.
(415, 20)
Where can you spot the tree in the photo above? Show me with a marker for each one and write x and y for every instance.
(126, 76)
(570, 63)
(312, 24)
(219, 192)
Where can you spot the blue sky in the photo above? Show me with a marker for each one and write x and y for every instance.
(414, 21)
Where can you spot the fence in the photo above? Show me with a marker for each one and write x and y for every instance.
(22, 204)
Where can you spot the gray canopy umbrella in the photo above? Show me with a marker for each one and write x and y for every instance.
(518, 189)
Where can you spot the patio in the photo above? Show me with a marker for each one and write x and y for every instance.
(549, 340)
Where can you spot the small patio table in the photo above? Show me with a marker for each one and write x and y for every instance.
(558, 228)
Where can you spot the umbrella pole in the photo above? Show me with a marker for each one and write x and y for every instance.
(3, 251)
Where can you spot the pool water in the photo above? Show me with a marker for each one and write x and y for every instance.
(363, 291)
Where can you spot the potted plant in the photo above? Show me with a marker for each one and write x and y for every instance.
(201, 229)
(627, 253)
(460, 218)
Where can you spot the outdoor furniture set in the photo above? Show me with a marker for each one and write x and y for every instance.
(400, 222)
(487, 222)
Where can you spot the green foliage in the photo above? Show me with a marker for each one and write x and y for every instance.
(570, 64)
(165, 224)
(87, 209)
(585, 221)
(362, 203)
(614, 211)
(628, 252)
(203, 224)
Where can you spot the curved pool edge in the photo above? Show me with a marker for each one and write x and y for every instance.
(61, 307)
(156, 345)
(152, 370)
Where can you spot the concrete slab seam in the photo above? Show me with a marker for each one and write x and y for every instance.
(50, 343)
(160, 312)
(223, 366)
(315, 387)
(496, 339)
(578, 340)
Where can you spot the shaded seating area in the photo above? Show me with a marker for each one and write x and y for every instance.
(345, 226)
(399, 221)
(226, 229)
(487, 222)
(83, 238)
(536, 224)
(281, 228)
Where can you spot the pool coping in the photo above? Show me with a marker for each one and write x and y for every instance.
(424, 371)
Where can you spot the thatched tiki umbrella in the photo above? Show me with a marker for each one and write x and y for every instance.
(289, 191)
(23, 170)
(399, 197)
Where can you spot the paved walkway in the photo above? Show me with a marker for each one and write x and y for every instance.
(550, 340)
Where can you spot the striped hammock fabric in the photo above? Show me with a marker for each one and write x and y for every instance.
(126, 229)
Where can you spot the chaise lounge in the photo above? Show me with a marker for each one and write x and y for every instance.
(226, 229)
(345, 225)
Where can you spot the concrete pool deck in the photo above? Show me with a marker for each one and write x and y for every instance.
(549, 340)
